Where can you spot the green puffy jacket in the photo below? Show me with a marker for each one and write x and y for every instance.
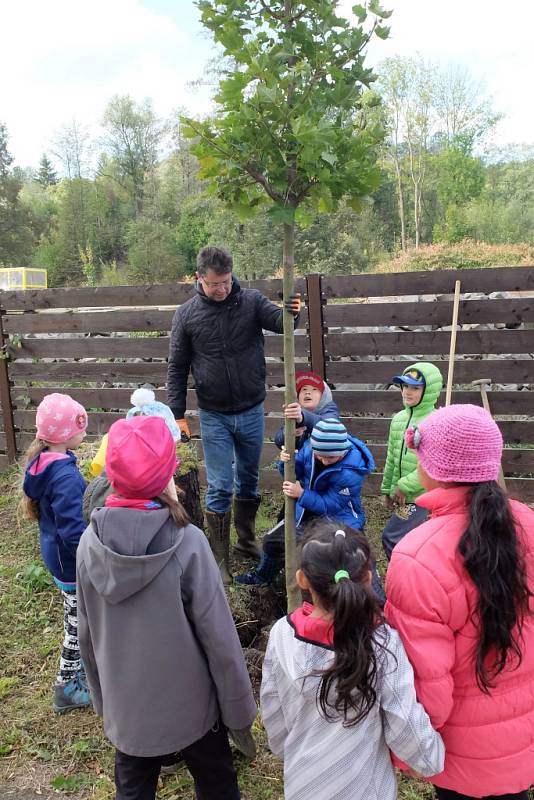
(401, 463)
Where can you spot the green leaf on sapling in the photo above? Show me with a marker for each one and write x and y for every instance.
(360, 12)
(281, 214)
(382, 31)
(376, 8)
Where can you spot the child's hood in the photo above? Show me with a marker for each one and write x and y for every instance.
(307, 647)
(359, 457)
(125, 549)
(433, 387)
(326, 398)
(43, 469)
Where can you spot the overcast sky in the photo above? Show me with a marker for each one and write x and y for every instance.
(64, 59)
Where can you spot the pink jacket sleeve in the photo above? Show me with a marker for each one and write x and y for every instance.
(419, 607)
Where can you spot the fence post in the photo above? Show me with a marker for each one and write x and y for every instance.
(316, 330)
(5, 393)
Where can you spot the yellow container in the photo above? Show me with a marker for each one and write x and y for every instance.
(23, 278)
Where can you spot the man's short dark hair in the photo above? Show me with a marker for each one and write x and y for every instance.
(216, 258)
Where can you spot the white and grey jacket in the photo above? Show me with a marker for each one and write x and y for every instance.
(325, 760)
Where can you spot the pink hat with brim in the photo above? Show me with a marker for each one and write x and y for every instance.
(59, 418)
(458, 444)
(140, 457)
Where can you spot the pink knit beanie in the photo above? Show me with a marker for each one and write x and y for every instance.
(59, 418)
(140, 457)
(458, 444)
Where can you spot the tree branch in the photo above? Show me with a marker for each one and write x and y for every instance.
(262, 180)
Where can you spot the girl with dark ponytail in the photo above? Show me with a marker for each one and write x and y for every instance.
(460, 594)
(337, 691)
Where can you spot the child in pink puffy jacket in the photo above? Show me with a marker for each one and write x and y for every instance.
(460, 591)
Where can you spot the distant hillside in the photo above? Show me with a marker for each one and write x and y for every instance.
(462, 255)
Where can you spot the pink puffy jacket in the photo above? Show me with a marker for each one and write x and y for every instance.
(489, 739)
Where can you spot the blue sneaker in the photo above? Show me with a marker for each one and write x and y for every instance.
(250, 578)
(71, 695)
(264, 574)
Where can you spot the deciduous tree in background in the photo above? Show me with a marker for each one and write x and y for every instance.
(291, 130)
(133, 137)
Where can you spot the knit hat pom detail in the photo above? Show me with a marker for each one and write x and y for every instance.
(412, 437)
(142, 397)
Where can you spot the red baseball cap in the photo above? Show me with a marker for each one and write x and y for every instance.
(140, 457)
(309, 379)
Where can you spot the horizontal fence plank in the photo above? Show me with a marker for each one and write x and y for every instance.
(513, 431)
(514, 460)
(518, 488)
(114, 371)
(412, 314)
(504, 371)
(365, 428)
(387, 402)
(102, 296)
(95, 321)
(435, 342)
(125, 347)
(350, 402)
(509, 279)
(108, 398)
(497, 370)
(87, 322)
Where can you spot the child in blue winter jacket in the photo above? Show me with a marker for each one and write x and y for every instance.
(330, 469)
(53, 492)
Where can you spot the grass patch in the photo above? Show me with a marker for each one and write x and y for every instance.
(69, 755)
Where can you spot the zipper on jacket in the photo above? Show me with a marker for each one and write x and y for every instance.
(404, 448)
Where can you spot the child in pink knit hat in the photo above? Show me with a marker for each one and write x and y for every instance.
(459, 591)
(53, 491)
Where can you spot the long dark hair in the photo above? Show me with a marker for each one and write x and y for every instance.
(493, 559)
(348, 686)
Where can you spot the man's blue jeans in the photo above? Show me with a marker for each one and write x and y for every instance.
(232, 449)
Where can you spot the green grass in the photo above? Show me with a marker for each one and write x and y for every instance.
(68, 755)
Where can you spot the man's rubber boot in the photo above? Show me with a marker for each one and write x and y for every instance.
(219, 535)
(245, 510)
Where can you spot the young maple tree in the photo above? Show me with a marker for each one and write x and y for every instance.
(292, 129)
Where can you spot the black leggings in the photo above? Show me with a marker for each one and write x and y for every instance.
(447, 794)
(209, 760)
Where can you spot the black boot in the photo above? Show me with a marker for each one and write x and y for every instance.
(245, 510)
(219, 535)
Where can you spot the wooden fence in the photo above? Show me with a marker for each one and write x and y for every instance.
(357, 331)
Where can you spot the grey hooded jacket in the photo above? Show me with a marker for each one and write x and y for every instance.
(157, 638)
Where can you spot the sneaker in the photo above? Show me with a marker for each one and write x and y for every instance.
(71, 695)
(250, 578)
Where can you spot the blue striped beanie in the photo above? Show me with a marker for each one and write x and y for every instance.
(329, 438)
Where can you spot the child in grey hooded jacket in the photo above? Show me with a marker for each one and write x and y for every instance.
(162, 656)
(338, 692)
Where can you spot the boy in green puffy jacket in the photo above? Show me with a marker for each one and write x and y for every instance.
(420, 384)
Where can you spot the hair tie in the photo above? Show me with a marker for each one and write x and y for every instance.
(340, 574)
(340, 533)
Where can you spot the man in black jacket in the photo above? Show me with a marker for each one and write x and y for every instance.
(218, 334)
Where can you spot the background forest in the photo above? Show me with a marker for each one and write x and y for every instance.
(128, 206)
